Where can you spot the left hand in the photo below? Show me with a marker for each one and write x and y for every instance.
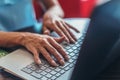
(57, 24)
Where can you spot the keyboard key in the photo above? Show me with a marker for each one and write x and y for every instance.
(29, 66)
(58, 74)
(44, 62)
(67, 68)
(53, 72)
(53, 78)
(67, 47)
(36, 75)
(72, 54)
(43, 73)
(74, 57)
(74, 47)
(71, 60)
(62, 71)
(52, 68)
(74, 62)
(44, 78)
(71, 65)
(48, 75)
(76, 51)
(38, 71)
(70, 50)
(47, 70)
(78, 45)
(47, 65)
(77, 54)
(57, 69)
(43, 67)
(66, 64)
(27, 70)
(33, 68)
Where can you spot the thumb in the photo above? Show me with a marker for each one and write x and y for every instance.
(46, 30)
(59, 40)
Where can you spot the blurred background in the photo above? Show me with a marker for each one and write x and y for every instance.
(73, 8)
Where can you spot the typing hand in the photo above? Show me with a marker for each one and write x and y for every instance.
(55, 23)
(45, 45)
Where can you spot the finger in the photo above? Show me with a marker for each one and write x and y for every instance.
(59, 40)
(54, 52)
(68, 29)
(73, 28)
(35, 53)
(47, 56)
(59, 48)
(59, 32)
(46, 30)
(66, 32)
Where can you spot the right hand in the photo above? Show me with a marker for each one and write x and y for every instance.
(62, 28)
(45, 45)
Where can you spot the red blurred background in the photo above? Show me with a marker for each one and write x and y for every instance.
(72, 8)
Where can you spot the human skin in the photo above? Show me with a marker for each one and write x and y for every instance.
(42, 43)
(37, 44)
(53, 21)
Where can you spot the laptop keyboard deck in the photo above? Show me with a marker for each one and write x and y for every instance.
(47, 72)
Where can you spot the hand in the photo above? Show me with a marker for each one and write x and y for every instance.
(46, 46)
(55, 23)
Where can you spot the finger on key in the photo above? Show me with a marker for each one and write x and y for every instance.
(70, 26)
(68, 29)
(65, 31)
(59, 48)
(48, 57)
(60, 32)
(59, 40)
(46, 30)
(54, 52)
(35, 53)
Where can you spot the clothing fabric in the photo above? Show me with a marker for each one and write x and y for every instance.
(16, 14)
(101, 46)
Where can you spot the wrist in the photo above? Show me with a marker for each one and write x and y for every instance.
(9, 39)
(53, 12)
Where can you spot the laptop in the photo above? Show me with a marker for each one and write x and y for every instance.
(21, 63)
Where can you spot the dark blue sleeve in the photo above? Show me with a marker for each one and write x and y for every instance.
(102, 38)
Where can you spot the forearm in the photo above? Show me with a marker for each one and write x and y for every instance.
(52, 7)
(9, 39)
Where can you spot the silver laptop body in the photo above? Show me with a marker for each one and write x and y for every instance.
(21, 64)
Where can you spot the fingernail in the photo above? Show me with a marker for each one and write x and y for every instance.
(54, 63)
(67, 58)
(62, 62)
(67, 40)
(39, 62)
(46, 32)
(75, 39)
(72, 41)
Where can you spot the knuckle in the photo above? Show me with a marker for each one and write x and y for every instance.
(52, 23)
(43, 41)
(48, 37)
(59, 57)
(62, 21)
(53, 50)
(47, 56)
(59, 47)
(57, 54)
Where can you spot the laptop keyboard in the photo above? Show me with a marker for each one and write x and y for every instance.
(47, 72)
